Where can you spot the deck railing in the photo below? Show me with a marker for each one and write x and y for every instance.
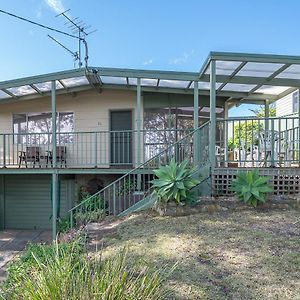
(258, 142)
(135, 185)
(102, 149)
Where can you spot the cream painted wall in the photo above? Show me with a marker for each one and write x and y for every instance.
(91, 109)
(91, 113)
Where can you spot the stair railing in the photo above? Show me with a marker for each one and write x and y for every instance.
(136, 184)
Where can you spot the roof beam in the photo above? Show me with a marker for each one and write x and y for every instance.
(255, 80)
(287, 92)
(9, 93)
(63, 85)
(233, 74)
(36, 89)
(145, 88)
(280, 70)
(151, 74)
(252, 57)
(41, 78)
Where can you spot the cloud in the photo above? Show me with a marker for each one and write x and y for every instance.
(38, 12)
(56, 5)
(148, 62)
(181, 59)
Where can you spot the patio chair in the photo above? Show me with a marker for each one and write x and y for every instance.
(61, 156)
(32, 155)
(269, 142)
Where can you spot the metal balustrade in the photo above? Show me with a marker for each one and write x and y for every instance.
(102, 149)
(258, 142)
(136, 184)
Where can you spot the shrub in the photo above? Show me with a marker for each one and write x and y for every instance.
(174, 182)
(251, 188)
(63, 272)
(82, 218)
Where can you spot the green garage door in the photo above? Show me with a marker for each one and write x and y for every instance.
(28, 201)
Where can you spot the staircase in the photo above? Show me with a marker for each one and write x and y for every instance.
(132, 191)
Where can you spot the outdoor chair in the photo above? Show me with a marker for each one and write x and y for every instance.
(61, 156)
(269, 143)
(32, 155)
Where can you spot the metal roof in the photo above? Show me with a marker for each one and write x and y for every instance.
(241, 76)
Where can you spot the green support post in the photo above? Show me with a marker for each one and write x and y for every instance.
(225, 130)
(53, 108)
(212, 100)
(299, 127)
(196, 124)
(138, 129)
(267, 114)
(54, 204)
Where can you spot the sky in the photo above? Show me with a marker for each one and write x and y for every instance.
(160, 35)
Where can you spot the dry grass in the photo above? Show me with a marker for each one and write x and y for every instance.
(228, 255)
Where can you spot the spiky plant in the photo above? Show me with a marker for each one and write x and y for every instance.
(174, 182)
(251, 188)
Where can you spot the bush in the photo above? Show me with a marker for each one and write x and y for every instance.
(65, 272)
(251, 188)
(174, 182)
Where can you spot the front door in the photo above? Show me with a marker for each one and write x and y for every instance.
(121, 137)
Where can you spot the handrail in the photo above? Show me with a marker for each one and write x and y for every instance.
(133, 171)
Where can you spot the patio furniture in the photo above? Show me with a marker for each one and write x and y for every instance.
(32, 154)
(61, 156)
(268, 145)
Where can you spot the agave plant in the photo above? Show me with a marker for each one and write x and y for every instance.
(174, 182)
(251, 188)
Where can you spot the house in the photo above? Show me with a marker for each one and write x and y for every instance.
(105, 129)
(288, 105)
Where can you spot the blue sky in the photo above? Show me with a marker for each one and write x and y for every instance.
(168, 35)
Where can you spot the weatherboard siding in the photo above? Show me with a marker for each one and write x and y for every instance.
(91, 113)
(284, 106)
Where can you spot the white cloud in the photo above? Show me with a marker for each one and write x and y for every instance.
(181, 59)
(148, 62)
(56, 5)
(38, 12)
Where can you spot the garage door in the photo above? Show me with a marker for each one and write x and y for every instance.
(28, 201)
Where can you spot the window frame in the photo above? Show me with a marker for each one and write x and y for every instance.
(17, 136)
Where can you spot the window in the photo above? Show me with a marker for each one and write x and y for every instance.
(295, 102)
(35, 128)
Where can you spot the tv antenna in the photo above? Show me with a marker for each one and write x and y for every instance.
(74, 54)
(79, 28)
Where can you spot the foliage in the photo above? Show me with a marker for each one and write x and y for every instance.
(64, 271)
(174, 182)
(87, 216)
(246, 133)
(260, 112)
(251, 188)
(64, 224)
(127, 187)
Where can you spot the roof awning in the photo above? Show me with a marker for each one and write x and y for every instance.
(244, 77)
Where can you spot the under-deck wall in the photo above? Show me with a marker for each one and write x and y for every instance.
(283, 180)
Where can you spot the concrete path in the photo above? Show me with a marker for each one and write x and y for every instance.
(13, 242)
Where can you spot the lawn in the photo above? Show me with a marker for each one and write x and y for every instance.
(226, 255)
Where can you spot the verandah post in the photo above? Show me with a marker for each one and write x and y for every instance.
(54, 175)
(138, 128)
(225, 132)
(54, 204)
(53, 108)
(196, 138)
(212, 101)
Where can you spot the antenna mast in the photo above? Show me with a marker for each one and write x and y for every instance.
(80, 28)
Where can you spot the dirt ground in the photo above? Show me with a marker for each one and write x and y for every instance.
(246, 254)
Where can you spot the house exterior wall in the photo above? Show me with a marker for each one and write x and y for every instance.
(284, 106)
(91, 114)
